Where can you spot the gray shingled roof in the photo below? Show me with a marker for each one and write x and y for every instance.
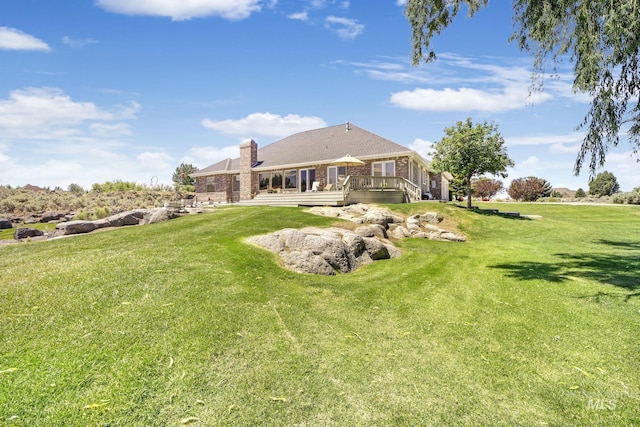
(317, 146)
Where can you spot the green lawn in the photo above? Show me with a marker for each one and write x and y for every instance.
(530, 322)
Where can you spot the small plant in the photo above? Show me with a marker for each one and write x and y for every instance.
(101, 212)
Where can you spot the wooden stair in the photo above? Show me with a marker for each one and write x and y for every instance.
(319, 198)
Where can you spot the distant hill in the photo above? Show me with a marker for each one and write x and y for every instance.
(565, 192)
(33, 188)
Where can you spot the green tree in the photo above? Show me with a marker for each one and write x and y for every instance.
(469, 151)
(601, 38)
(181, 175)
(604, 184)
(457, 187)
(529, 189)
(75, 188)
(580, 194)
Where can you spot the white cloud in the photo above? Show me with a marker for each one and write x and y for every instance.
(422, 147)
(570, 138)
(299, 16)
(344, 27)
(466, 99)
(154, 158)
(184, 9)
(110, 130)
(34, 112)
(266, 124)
(77, 43)
(13, 39)
(457, 83)
(624, 166)
(205, 156)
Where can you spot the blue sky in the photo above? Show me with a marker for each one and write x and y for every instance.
(99, 90)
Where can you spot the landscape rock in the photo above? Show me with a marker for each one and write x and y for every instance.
(52, 216)
(76, 227)
(421, 226)
(399, 232)
(133, 217)
(5, 224)
(372, 230)
(120, 220)
(161, 215)
(332, 250)
(324, 251)
(431, 218)
(24, 233)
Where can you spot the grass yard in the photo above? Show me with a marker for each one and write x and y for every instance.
(530, 322)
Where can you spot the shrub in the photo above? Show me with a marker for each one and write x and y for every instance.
(75, 189)
(529, 189)
(482, 187)
(619, 198)
(101, 212)
(604, 184)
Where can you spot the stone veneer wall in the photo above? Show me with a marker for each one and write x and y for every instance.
(436, 186)
(248, 180)
(221, 183)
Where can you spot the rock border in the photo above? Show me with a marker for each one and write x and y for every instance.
(329, 251)
(75, 227)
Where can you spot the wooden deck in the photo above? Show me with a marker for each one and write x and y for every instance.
(355, 189)
(319, 198)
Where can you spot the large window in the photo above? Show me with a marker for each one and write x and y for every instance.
(334, 173)
(211, 184)
(264, 179)
(276, 180)
(269, 181)
(307, 176)
(236, 182)
(387, 168)
(291, 179)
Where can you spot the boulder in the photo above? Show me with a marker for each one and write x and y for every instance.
(452, 237)
(51, 216)
(76, 227)
(323, 251)
(5, 223)
(376, 249)
(399, 232)
(24, 233)
(430, 218)
(372, 230)
(121, 219)
(161, 215)
(307, 262)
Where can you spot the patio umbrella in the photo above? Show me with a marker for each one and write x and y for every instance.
(347, 160)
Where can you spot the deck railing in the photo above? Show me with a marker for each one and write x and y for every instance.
(381, 183)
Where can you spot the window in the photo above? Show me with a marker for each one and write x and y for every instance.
(276, 180)
(236, 183)
(334, 172)
(211, 184)
(307, 176)
(291, 179)
(387, 168)
(263, 179)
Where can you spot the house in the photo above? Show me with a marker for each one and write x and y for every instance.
(301, 169)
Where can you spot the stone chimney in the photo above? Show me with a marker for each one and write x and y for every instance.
(248, 157)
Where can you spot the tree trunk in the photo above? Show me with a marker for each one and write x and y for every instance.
(468, 192)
